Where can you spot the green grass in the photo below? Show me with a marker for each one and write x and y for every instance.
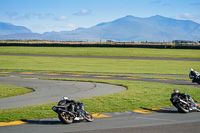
(8, 91)
(139, 95)
(95, 51)
(63, 64)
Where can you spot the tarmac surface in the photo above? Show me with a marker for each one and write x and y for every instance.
(159, 122)
(48, 91)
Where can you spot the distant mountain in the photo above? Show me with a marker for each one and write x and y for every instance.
(129, 28)
(7, 29)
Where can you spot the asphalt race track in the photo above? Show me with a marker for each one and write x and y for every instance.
(140, 123)
(47, 91)
(164, 121)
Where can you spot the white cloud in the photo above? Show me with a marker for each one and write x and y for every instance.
(38, 28)
(17, 16)
(83, 12)
(188, 16)
(44, 16)
(159, 2)
(70, 25)
(61, 18)
(156, 2)
(12, 15)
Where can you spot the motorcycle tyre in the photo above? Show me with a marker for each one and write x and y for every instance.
(65, 118)
(181, 109)
(88, 117)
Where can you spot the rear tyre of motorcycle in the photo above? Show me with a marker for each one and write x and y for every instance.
(65, 118)
(88, 117)
(182, 109)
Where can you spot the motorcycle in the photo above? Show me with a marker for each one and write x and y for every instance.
(183, 104)
(67, 116)
(195, 76)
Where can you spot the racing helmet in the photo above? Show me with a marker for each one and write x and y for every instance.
(65, 98)
(191, 70)
(175, 91)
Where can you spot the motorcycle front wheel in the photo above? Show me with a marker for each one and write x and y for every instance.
(182, 108)
(88, 117)
(65, 118)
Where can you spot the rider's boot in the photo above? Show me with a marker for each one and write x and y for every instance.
(198, 108)
(192, 80)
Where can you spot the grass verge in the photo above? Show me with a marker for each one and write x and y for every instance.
(62, 65)
(9, 91)
(96, 51)
(139, 95)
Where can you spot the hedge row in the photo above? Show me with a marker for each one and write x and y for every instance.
(141, 45)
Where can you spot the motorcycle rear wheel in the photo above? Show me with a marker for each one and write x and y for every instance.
(182, 108)
(88, 117)
(65, 118)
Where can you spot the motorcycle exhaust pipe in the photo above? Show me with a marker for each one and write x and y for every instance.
(62, 110)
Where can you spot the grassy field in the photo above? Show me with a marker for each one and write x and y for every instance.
(8, 91)
(89, 51)
(62, 65)
(139, 94)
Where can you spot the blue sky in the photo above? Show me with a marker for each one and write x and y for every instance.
(64, 15)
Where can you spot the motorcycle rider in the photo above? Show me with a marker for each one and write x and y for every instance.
(193, 106)
(65, 101)
(194, 75)
(74, 106)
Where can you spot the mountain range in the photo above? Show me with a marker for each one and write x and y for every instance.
(129, 28)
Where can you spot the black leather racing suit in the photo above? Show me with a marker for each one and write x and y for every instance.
(187, 98)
